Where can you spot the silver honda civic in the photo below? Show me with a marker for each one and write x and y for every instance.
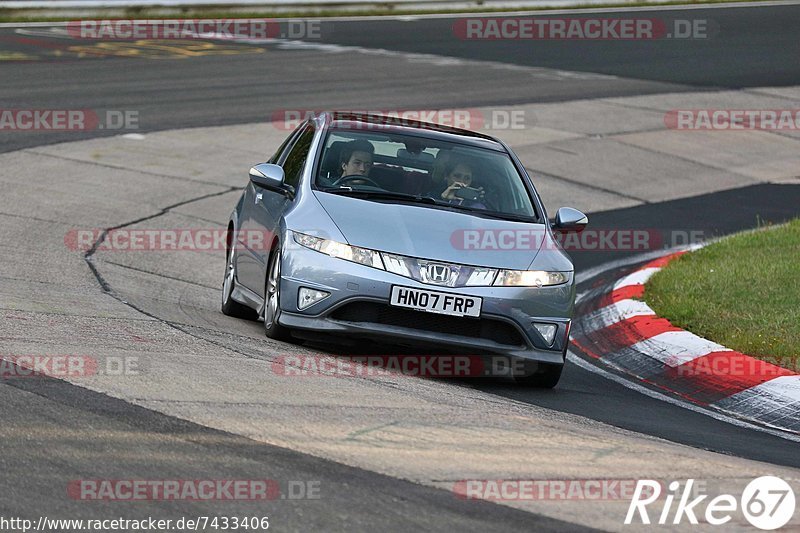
(372, 227)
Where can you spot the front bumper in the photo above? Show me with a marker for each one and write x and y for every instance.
(358, 305)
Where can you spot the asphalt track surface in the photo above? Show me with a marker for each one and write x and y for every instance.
(161, 447)
(755, 47)
(619, 406)
(748, 47)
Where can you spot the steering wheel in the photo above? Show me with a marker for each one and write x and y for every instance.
(355, 177)
(489, 200)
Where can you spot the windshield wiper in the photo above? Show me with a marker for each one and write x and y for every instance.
(489, 214)
(388, 195)
(381, 195)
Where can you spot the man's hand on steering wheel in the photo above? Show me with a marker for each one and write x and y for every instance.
(355, 177)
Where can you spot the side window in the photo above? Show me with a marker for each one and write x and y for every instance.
(276, 157)
(296, 158)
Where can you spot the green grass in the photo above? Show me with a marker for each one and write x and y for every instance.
(742, 292)
(385, 9)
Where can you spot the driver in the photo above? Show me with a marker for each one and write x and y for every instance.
(356, 158)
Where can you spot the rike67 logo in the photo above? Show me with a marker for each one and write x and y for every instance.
(767, 503)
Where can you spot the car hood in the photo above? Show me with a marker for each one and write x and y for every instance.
(430, 233)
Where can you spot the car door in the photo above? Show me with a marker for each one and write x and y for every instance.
(263, 209)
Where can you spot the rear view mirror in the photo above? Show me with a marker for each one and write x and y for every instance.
(569, 219)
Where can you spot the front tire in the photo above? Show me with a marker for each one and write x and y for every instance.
(543, 376)
(230, 306)
(272, 299)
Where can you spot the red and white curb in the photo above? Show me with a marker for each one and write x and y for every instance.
(615, 327)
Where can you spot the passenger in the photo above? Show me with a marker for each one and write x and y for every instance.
(458, 175)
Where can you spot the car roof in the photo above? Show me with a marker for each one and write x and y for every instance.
(398, 124)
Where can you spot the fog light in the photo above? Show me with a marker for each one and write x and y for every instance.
(307, 297)
(547, 331)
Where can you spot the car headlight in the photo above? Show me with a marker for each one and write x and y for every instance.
(530, 278)
(397, 264)
(481, 277)
(340, 250)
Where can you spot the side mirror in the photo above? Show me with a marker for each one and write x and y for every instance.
(569, 219)
(270, 177)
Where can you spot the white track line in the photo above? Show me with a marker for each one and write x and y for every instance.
(578, 361)
(772, 393)
(614, 313)
(674, 348)
(593, 272)
(640, 277)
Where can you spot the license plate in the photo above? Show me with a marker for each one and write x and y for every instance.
(436, 302)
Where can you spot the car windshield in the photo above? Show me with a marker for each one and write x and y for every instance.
(396, 167)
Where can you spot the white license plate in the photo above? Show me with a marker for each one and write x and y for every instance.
(436, 302)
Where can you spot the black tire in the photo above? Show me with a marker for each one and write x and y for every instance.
(272, 299)
(230, 306)
(542, 375)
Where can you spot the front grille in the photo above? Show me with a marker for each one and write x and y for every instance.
(377, 313)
